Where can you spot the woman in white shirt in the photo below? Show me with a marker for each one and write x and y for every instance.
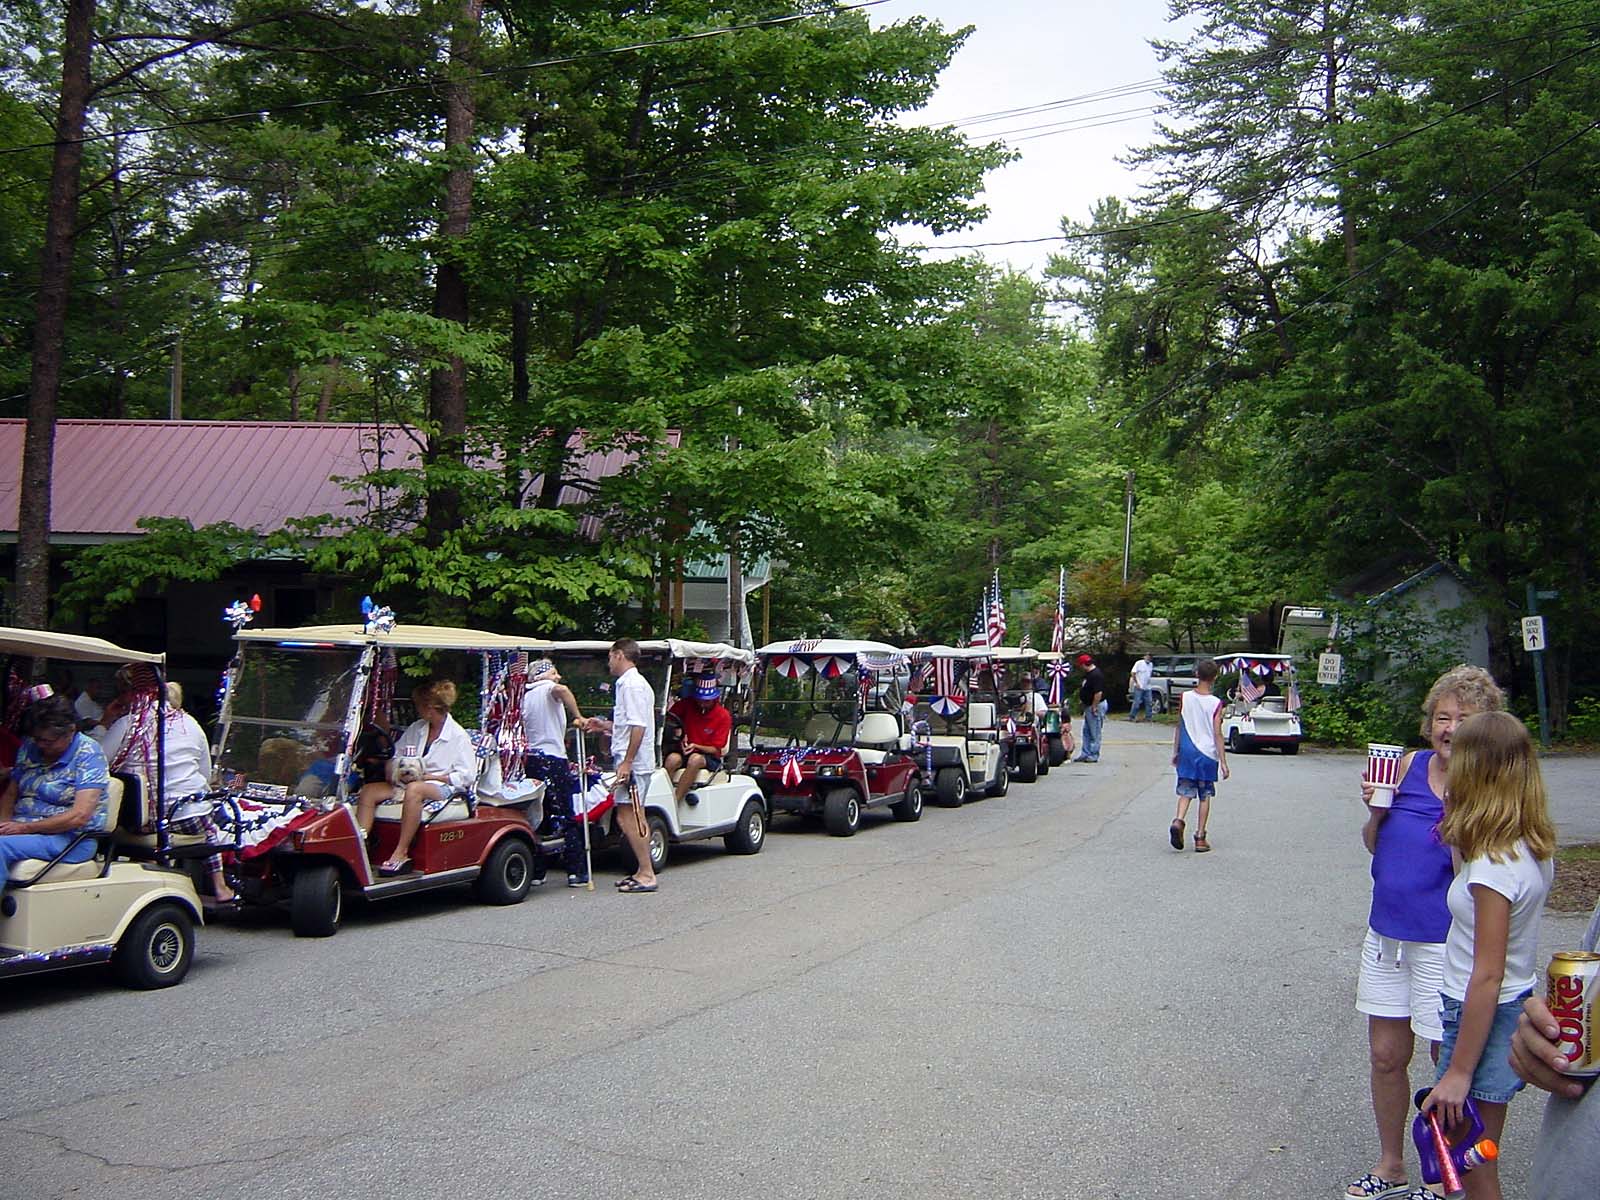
(449, 768)
(129, 743)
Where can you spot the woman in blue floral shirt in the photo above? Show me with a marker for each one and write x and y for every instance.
(57, 788)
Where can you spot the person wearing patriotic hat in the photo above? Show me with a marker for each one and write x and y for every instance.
(1093, 695)
(707, 729)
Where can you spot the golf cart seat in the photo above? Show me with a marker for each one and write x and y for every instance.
(701, 777)
(981, 721)
(136, 819)
(26, 868)
(455, 808)
(876, 735)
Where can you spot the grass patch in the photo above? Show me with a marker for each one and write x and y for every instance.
(1577, 882)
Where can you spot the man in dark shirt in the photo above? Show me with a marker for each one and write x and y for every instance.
(1092, 694)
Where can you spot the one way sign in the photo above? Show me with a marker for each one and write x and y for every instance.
(1532, 633)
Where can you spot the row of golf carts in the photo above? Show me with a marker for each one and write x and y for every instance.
(825, 730)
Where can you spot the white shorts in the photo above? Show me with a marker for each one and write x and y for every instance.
(1402, 979)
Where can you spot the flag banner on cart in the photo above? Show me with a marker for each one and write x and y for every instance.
(789, 761)
(831, 666)
(594, 799)
(1059, 670)
(921, 673)
(864, 677)
(803, 647)
(997, 614)
(1027, 641)
(1250, 689)
(961, 641)
(260, 827)
(790, 666)
(1058, 632)
(948, 706)
(947, 677)
(980, 622)
(1291, 698)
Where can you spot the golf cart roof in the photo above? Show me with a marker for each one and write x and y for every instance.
(971, 653)
(1049, 656)
(1260, 664)
(676, 647)
(818, 646)
(401, 637)
(72, 647)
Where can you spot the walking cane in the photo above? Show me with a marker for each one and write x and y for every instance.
(583, 791)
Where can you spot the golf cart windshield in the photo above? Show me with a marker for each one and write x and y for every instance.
(287, 712)
(816, 700)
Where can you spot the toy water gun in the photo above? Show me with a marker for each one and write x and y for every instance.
(1443, 1161)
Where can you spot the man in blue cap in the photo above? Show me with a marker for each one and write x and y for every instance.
(707, 729)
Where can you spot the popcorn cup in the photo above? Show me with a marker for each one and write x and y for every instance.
(1383, 772)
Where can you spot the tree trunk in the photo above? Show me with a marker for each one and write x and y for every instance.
(330, 380)
(447, 387)
(50, 322)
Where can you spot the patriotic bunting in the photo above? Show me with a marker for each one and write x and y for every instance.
(790, 666)
(1058, 632)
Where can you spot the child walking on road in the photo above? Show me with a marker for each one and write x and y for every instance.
(1197, 753)
(1497, 822)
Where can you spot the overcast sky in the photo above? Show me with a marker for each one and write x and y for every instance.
(1027, 53)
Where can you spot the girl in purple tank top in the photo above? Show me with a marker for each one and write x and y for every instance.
(1402, 956)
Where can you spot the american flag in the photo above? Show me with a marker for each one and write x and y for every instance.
(946, 677)
(921, 674)
(996, 631)
(1027, 641)
(1249, 688)
(1058, 632)
(980, 624)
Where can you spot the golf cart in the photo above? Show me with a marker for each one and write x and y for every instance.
(828, 736)
(1254, 720)
(140, 917)
(1006, 674)
(724, 804)
(305, 720)
(963, 741)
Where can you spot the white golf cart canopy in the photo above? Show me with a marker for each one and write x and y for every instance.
(71, 647)
(675, 647)
(1256, 664)
(840, 646)
(401, 637)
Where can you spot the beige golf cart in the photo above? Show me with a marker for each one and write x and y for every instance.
(138, 916)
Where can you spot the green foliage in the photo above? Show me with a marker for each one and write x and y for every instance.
(103, 578)
(1583, 722)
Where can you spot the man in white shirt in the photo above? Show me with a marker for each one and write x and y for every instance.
(88, 704)
(1142, 695)
(633, 755)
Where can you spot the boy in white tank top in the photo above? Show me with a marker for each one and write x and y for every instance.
(1197, 753)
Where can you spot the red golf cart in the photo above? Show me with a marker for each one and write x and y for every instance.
(306, 717)
(828, 737)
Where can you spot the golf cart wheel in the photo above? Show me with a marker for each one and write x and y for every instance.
(1232, 742)
(1027, 764)
(950, 783)
(1044, 761)
(508, 874)
(750, 834)
(1002, 782)
(841, 812)
(1057, 749)
(316, 901)
(157, 948)
(909, 809)
(660, 841)
(1291, 748)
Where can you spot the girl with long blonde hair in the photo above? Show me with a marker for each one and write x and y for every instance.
(1497, 824)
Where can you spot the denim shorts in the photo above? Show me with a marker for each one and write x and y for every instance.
(1494, 1082)
(1197, 789)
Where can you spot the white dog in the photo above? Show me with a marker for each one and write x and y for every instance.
(407, 769)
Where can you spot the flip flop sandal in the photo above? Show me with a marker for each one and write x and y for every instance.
(624, 882)
(398, 867)
(1372, 1187)
(1175, 836)
(633, 886)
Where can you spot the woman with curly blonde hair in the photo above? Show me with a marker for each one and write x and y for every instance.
(449, 768)
(1497, 821)
(1402, 955)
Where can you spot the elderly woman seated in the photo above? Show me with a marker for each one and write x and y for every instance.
(57, 788)
(449, 767)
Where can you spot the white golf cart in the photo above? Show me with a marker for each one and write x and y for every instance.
(1254, 720)
(963, 736)
(138, 916)
(724, 804)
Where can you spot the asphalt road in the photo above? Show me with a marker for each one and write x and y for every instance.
(1028, 997)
